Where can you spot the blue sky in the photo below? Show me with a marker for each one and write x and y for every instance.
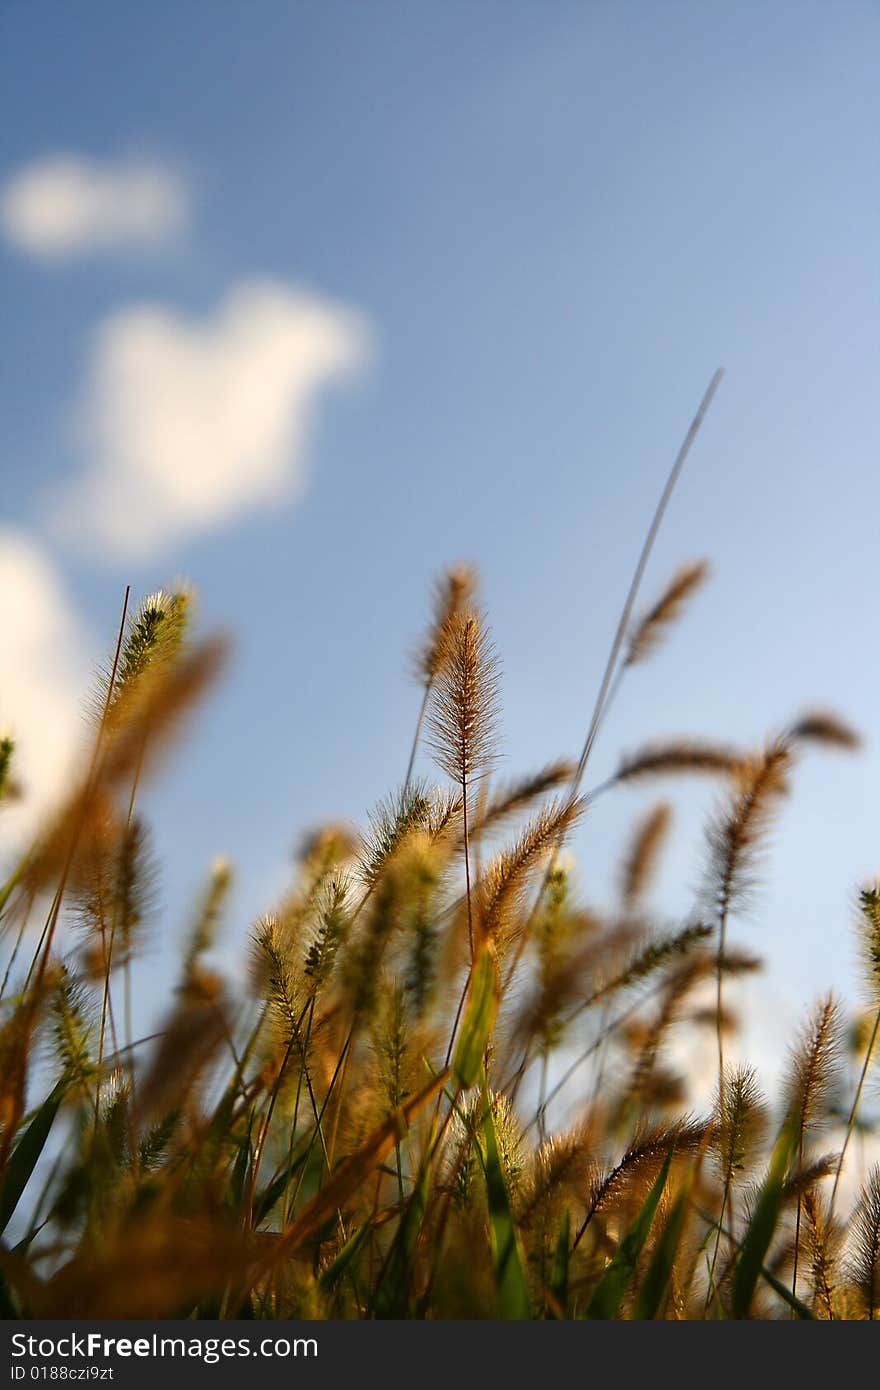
(550, 222)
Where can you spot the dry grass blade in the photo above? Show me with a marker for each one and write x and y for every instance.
(188, 1045)
(150, 1270)
(16, 1038)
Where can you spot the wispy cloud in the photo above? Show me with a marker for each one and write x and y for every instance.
(66, 205)
(188, 424)
(44, 677)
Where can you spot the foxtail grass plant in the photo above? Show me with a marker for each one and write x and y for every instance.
(446, 1089)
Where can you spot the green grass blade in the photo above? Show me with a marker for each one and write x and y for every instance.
(396, 1286)
(561, 1262)
(478, 1022)
(240, 1170)
(26, 1154)
(269, 1195)
(609, 1292)
(334, 1272)
(652, 1295)
(750, 1261)
(788, 1297)
(511, 1285)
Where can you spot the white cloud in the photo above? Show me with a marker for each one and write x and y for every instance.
(67, 205)
(43, 676)
(187, 424)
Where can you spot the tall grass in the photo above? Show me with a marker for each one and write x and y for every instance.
(445, 1089)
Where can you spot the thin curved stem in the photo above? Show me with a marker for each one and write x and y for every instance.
(850, 1124)
(417, 735)
(608, 684)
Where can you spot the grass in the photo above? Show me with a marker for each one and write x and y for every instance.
(366, 1129)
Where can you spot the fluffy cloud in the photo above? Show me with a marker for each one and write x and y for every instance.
(43, 674)
(66, 206)
(188, 424)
